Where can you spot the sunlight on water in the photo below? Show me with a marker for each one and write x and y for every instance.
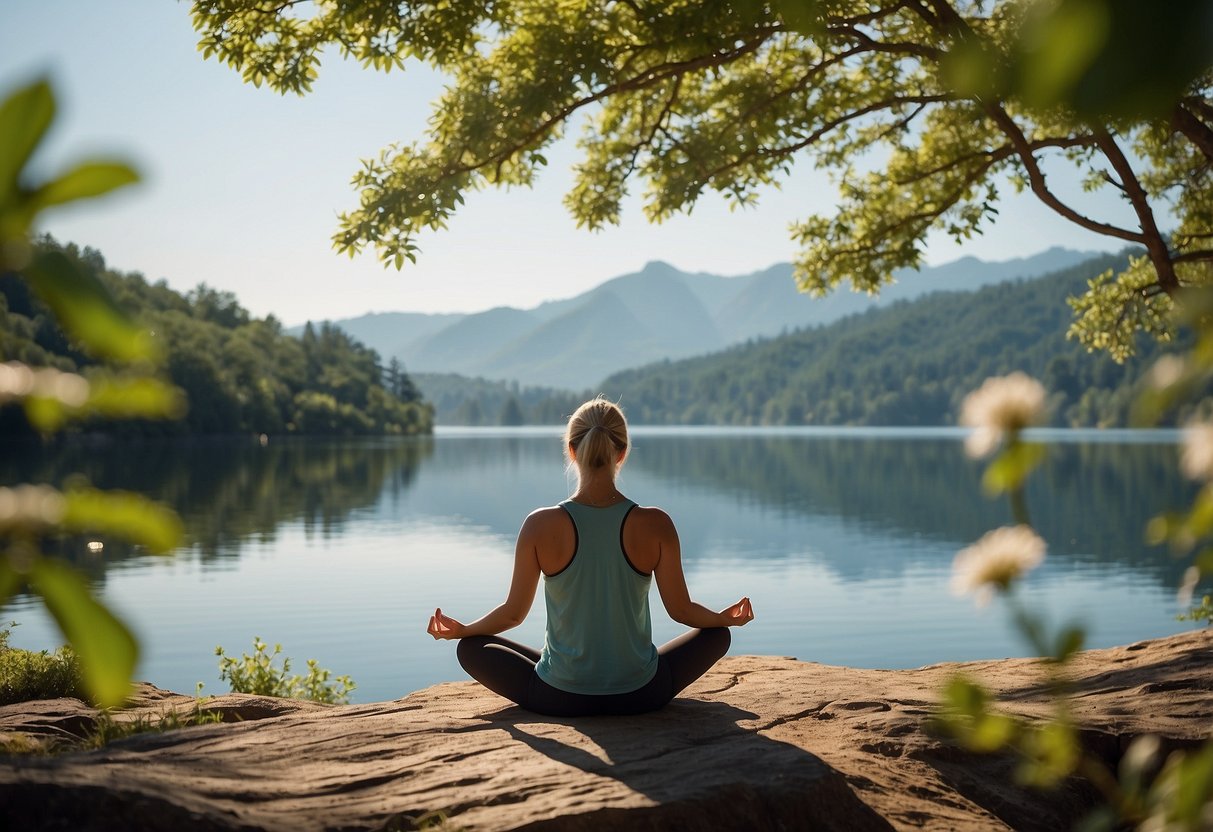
(843, 539)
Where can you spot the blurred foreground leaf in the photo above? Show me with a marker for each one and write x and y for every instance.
(86, 180)
(1051, 754)
(123, 514)
(966, 717)
(86, 309)
(1011, 467)
(9, 580)
(107, 650)
(1117, 58)
(24, 118)
(134, 397)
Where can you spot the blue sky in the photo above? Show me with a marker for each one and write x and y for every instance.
(242, 186)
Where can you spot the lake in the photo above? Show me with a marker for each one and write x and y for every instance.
(843, 538)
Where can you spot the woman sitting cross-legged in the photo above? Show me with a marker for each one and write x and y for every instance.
(598, 553)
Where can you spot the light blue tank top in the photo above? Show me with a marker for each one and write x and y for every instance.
(599, 633)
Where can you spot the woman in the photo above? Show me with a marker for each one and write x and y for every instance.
(598, 552)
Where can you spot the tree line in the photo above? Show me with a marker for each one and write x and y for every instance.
(908, 364)
(240, 374)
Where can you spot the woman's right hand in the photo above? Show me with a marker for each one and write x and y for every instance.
(443, 626)
(739, 614)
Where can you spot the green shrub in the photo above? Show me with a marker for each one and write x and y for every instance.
(1202, 612)
(25, 675)
(257, 674)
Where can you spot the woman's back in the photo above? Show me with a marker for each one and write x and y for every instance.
(599, 629)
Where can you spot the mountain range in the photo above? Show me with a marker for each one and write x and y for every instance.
(655, 314)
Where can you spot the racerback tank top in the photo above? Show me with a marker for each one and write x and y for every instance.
(599, 631)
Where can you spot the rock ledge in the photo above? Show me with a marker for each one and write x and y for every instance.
(760, 742)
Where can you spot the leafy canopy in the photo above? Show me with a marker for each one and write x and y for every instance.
(921, 110)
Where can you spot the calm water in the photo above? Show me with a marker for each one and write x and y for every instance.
(843, 539)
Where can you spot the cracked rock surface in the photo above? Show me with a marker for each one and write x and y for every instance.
(760, 742)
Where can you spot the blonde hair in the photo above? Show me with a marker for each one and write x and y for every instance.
(598, 434)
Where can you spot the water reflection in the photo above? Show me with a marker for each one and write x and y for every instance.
(228, 492)
(1090, 500)
(844, 538)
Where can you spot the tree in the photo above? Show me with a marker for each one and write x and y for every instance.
(725, 95)
(511, 413)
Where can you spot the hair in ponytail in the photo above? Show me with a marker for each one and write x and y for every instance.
(597, 434)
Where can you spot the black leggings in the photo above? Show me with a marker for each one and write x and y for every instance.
(508, 668)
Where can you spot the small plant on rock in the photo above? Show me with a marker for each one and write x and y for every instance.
(26, 675)
(258, 674)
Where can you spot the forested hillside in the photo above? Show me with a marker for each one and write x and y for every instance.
(910, 364)
(657, 313)
(240, 374)
(458, 400)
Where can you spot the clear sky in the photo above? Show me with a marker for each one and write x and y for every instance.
(242, 186)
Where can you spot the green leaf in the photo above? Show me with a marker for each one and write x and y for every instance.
(1114, 57)
(135, 397)
(86, 309)
(45, 414)
(1011, 467)
(9, 580)
(966, 716)
(1052, 752)
(1069, 642)
(1204, 562)
(123, 514)
(1061, 50)
(1187, 785)
(85, 181)
(24, 118)
(1200, 519)
(107, 650)
(799, 15)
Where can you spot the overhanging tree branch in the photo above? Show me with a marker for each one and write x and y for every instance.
(1036, 179)
(647, 79)
(1192, 128)
(816, 135)
(1156, 245)
(1193, 256)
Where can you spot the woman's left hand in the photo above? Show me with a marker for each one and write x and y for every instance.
(739, 614)
(443, 626)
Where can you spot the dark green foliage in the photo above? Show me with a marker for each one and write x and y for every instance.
(241, 375)
(26, 676)
(458, 400)
(909, 364)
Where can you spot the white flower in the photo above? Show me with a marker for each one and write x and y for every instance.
(1001, 405)
(26, 506)
(18, 381)
(996, 560)
(1166, 371)
(1187, 586)
(1196, 459)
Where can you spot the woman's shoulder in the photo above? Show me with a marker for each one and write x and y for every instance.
(546, 518)
(650, 518)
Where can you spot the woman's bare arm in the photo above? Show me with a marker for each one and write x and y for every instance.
(658, 530)
(518, 602)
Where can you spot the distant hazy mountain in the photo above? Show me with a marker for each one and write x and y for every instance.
(655, 314)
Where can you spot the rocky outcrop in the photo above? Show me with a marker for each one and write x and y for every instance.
(760, 743)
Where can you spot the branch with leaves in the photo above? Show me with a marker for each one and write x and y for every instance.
(33, 515)
(727, 95)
